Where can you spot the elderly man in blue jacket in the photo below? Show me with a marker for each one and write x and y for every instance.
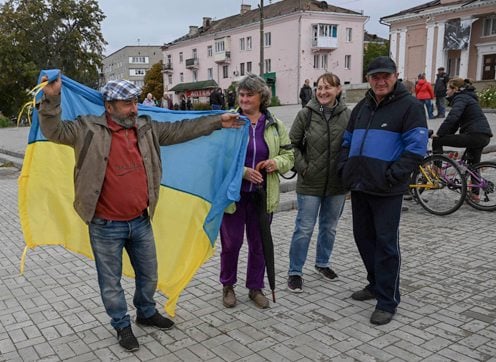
(385, 140)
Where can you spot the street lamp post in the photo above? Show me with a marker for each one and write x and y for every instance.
(261, 6)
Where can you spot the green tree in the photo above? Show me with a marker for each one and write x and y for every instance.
(154, 82)
(372, 51)
(47, 34)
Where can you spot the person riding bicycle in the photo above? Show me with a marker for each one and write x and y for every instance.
(466, 116)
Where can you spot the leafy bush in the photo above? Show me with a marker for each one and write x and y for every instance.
(487, 97)
(5, 122)
(201, 106)
(274, 101)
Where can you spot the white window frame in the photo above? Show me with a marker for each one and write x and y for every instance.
(323, 61)
(181, 57)
(267, 66)
(248, 43)
(169, 78)
(489, 26)
(220, 46)
(248, 67)
(138, 60)
(181, 77)
(241, 68)
(195, 76)
(194, 53)
(347, 61)
(210, 51)
(241, 44)
(267, 39)
(316, 61)
(225, 71)
(349, 34)
(210, 73)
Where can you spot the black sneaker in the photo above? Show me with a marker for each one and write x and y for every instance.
(295, 283)
(127, 340)
(381, 317)
(157, 320)
(364, 294)
(326, 272)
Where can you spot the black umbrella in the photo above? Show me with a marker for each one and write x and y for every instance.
(260, 196)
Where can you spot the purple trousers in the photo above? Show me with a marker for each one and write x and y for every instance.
(231, 237)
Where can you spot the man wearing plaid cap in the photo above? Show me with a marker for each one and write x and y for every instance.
(117, 180)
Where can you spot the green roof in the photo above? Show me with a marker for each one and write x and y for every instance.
(203, 84)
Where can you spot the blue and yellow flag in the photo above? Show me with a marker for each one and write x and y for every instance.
(200, 178)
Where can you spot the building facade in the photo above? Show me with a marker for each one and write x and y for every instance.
(457, 34)
(301, 39)
(131, 63)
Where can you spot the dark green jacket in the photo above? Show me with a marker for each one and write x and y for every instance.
(317, 163)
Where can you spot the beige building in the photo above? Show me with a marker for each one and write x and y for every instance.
(457, 34)
(301, 39)
(131, 63)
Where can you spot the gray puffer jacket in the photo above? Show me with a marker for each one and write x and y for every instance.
(316, 164)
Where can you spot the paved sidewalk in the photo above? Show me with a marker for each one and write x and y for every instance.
(448, 310)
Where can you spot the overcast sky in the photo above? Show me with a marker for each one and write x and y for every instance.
(155, 22)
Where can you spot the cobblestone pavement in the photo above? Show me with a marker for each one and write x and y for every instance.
(53, 312)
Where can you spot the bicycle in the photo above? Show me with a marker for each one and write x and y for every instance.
(480, 179)
(438, 185)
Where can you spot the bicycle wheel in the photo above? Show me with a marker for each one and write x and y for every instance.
(481, 181)
(438, 185)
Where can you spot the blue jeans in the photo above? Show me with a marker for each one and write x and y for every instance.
(441, 106)
(428, 105)
(108, 238)
(329, 210)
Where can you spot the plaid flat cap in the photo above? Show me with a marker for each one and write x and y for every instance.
(120, 90)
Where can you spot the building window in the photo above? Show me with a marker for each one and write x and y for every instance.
(169, 58)
(225, 71)
(138, 60)
(169, 78)
(137, 72)
(267, 39)
(328, 30)
(181, 77)
(242, 44)
(195, 76)
(139, 83)
(242, 68)
(194, 54)
(180, 57)
(489, 27)
(209, 51)
(347, 62)
(323, 63)
(219, 46)
(348, 34)
(267, 66)
(248, 43)
(316, 61)
(210, 73)
(248, 67)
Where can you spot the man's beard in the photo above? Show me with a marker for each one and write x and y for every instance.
(127, 122)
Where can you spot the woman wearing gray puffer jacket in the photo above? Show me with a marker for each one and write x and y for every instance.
(316, 135)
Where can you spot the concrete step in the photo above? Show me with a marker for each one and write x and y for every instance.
(13, 159)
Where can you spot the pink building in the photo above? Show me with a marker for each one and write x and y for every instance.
(457, 34)
(302, 39)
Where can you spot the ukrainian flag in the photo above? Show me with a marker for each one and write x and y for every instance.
(200, 178)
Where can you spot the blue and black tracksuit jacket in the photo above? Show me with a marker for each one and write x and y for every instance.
(383, 143)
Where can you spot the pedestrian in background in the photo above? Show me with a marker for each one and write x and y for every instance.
(385, 140)
(317, 135)
(269, 153)
(306, 93)
(425, 94)
(217, 99)
(148, 101)
(116, 190)
(440, 88)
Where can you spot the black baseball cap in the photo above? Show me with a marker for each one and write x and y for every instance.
(381, 65)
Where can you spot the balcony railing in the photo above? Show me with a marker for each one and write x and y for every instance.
(324, 43)
(167, 67)
(192, 63)
(223, 57)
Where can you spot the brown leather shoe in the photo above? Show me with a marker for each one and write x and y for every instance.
(228, 296)
(259, 298)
